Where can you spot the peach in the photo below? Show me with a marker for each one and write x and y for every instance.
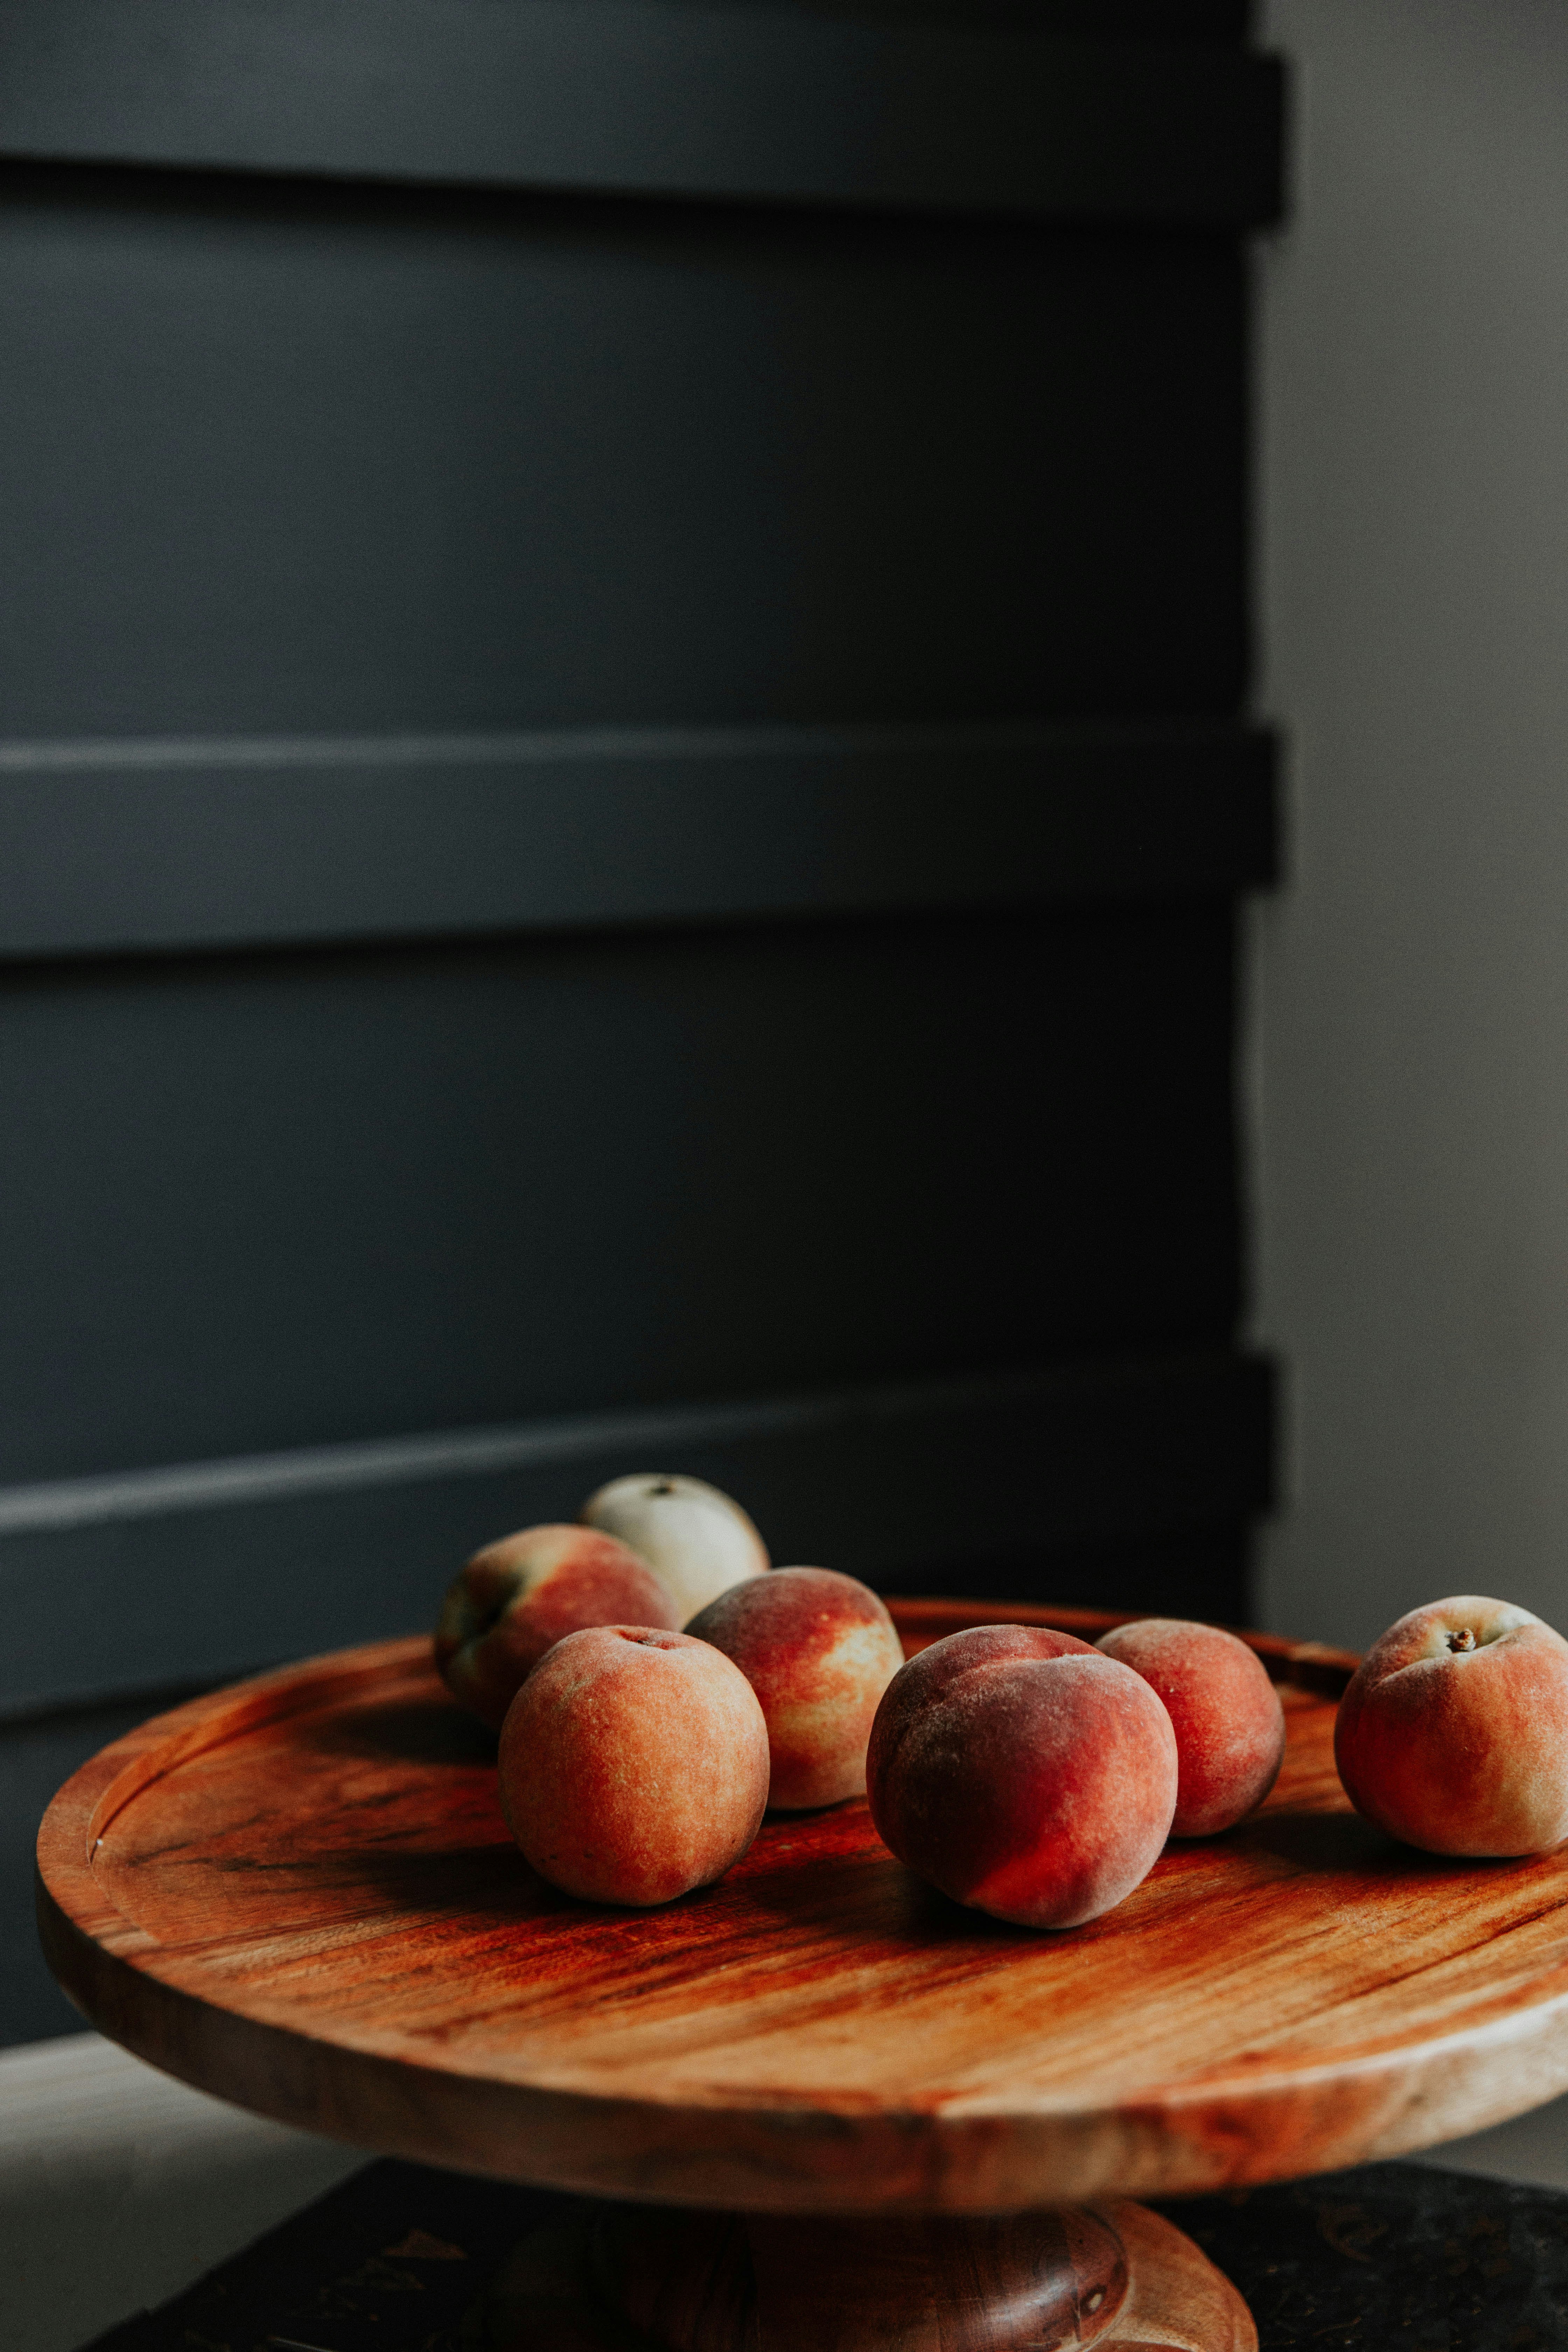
(633, 1765)
(1453, 1734)
(819, 1650)
(1023, 1773)
(691, 1535)
(1225, 1711)
(520, 1594)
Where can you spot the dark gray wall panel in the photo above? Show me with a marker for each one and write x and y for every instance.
(301, 461)
(691, 101)
(199, 1577)
(618, 803)
(240, 842)
(252, 1202)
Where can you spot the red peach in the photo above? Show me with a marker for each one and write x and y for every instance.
(1453, 1734)
(819, 1649)
(1023, 1773)
(520, 1595)
(633, 1765)
(1229, 1722)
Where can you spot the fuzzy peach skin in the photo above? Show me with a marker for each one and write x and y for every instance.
(819, 1649)
(1453, 1734)
(1225, 1711)
(520, 1595)
(633, 1765)
(1023, 1773)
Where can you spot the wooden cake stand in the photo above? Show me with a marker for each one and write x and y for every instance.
(848, 2114)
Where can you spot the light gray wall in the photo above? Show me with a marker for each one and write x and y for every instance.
(1410, 1016)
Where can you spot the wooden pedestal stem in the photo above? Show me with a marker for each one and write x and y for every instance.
(654, 2279)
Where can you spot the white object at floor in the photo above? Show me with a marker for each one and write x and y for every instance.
(118, 2187)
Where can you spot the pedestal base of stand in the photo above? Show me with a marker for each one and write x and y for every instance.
(653, 2279)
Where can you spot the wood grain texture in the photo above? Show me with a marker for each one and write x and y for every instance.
(300, 1895)
(651, 2279)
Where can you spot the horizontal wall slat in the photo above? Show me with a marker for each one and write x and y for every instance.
(119, 1583)
(656, 101)
(111, 847)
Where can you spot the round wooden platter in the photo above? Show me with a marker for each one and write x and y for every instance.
(300, 1894)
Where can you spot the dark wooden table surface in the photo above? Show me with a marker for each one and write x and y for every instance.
(1389, 2258)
